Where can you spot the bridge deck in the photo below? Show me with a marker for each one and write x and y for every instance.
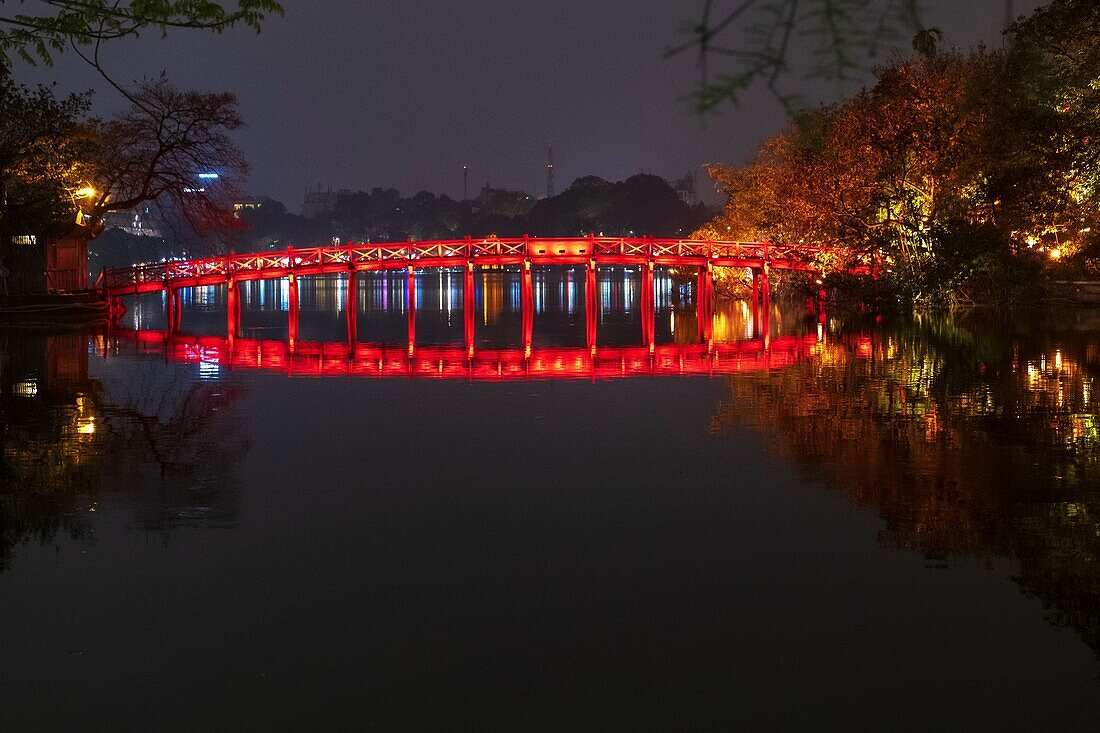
(454, 253)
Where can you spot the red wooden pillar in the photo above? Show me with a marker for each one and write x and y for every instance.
(755, 303)
(821, 297)
(648, 306)
(179, 308)
(352, 303)
(292, 309)
(410, 300)
(704, 299)
(232, 312)
(591, 305)
(469, 306)
(171, 307)
(527, 307)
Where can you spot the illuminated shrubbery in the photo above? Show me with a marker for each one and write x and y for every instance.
(955, 176)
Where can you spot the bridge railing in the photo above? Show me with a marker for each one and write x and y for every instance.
(130, 276)
(458, 250)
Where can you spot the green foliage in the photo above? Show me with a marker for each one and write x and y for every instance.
(753, 38)
(64, 23)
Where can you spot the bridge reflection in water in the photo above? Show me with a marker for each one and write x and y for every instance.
(451, 325)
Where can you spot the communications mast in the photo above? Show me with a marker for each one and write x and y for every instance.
(549, 172)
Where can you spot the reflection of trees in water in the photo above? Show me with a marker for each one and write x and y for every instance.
(147, 436)
(967, 440)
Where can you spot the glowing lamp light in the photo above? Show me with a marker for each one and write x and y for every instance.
(86, 193)
(1055, 254)
(209, 176)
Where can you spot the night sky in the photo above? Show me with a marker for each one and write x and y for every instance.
(349, 94)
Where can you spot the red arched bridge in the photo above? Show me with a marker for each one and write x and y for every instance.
(591, 252)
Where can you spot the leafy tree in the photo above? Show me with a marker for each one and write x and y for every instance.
(890, 173)
(1058, 177)
(172, 148)
(926, 42)
(53, 26)
(40, 163)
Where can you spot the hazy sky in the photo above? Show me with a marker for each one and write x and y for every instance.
(351, 94)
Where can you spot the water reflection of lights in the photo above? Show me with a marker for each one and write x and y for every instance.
(26, 388)
(209, 370)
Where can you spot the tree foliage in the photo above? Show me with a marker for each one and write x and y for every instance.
(56, 163)
(951, 167)
(752, 40)
(41, 29)
(156, 151)
(43, 154)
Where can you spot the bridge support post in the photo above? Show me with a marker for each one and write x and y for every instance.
(754, 303)
(352, 302)
(648, 306)
(591, 305)
(232, 309)
(527, 307)
(172, 301)
(469, 306)
(410, 301)
(292, 309)
(704, 300)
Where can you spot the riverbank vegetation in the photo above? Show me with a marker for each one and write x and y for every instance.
(959, 177)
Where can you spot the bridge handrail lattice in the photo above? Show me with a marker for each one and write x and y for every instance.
(436, 253)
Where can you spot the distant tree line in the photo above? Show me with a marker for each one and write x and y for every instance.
(641, 205)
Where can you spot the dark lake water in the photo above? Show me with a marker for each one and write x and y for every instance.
(852, 524)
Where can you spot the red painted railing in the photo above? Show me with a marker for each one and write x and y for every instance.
(450, 253)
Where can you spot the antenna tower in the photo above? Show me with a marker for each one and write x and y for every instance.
(549, 172)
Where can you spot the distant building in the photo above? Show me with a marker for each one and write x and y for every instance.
(317, 204)
(503, 202)
(140, 222)
(685, 189)
(249, 205)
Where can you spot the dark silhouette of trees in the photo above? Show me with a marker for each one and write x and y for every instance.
(927, 40)
(641, 205)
